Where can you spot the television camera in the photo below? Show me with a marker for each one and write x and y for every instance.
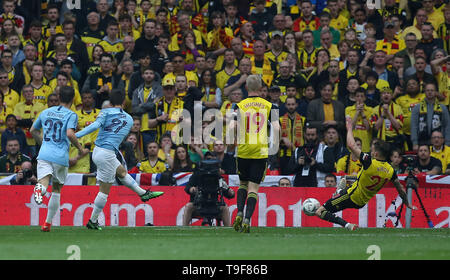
(212, 189)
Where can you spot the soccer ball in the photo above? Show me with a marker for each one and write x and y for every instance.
(310, 206)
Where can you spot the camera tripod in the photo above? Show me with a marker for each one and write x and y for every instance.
(411, 183)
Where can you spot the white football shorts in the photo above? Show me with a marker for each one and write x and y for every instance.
(58, 172)
(107, 163)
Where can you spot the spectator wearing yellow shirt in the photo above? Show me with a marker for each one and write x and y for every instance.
(439, 150)
(230, 69)
(152, 164)
(102, 82)
(420, 18)
(87, 114)
(338, 21)
(360, 114)
(26, 112)
(79, 163)
(276, 52)
(179, 62)
(37, 40)
(10, 96)
(326, 43)
(306, 20)
(443, 31)
(219, 38)
(387, 119)
(53, 27)
(41, 90)
(62, 79)
(442, 78)
(350, 164)
(168, 111)
(391, 43)
(4, 111)
(184, 22)
(126, 27)
(435, 16)
(111, 43)
(16, 82)
(147, 10)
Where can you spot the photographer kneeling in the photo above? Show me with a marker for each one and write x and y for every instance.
(25, 176)
(206, 189)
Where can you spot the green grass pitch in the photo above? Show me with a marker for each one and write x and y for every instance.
(219, 243)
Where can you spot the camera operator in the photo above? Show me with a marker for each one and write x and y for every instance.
(192, 188)
(304, 160)
(25, 176)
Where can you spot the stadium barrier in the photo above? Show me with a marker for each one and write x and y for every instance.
(280, 207)
(77, 179)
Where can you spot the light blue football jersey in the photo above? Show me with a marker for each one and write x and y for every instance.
(114, 124)
(55, 122)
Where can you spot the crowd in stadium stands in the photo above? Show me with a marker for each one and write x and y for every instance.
(388, 69)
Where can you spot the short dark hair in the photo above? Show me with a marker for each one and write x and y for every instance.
(165, 36)
(66, 62)
(124, 17)
(13, 138)
(52, 6)
(112, 23)
(87, 92)
(36, 23)
(68, 22)
(331, 175)
(106, 55)
(372, 74)
(10, 116)
(360, 89)
(7, 51)
(116, 97)
(383, 148)
(151, 142)
(325, 14)
(66, 94)
(162, 10)
(61, 73)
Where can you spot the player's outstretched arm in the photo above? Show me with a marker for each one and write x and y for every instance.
(89, 129)
(402, 193)
(74, 140)
(350, 139)
(36, 135)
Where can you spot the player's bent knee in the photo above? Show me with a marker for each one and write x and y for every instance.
(189, 206)
(121, 172)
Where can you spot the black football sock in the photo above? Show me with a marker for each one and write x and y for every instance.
(330, 217)
(241, 197)
(251, 204)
